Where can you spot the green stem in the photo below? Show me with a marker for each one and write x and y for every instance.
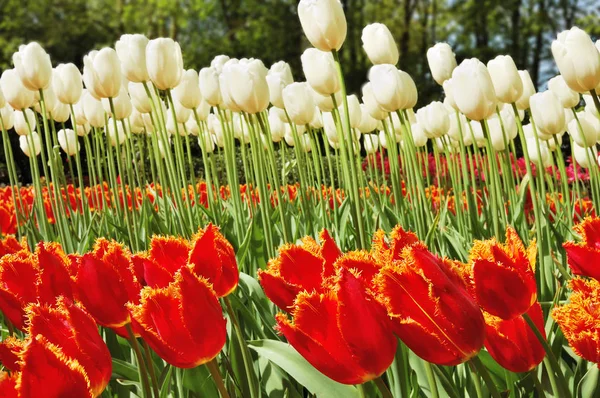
(483, 372)
(140, 360)
(383, 388)
(213, 367)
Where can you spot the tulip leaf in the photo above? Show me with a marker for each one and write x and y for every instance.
(288, 359)
(124, 370)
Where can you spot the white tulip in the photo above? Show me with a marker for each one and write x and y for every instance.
(277, 126)
(139, 97)
(209, 86)
(93, 111)
(24, 143)
(136, 122)
(83, 129)
(578, 60)
(354, 111)
(505, 78)
(323, 23)
(433, 119)
(187, 93)
(67, 139)
(299, 103)
(24, 122)
(325, 103)
(476, 133)
(449, 99)
(7, 117)
(547, 111)
(33, 65)
(498, 136)
(371, 143)
(379, 44)
(367, 123)
(247, 85)
(474, 93)
(585, 130)
(278, 78)
(164, 63)
(67, 83)
(584, 156)
(371, 106)
(50, 100)
(115, 136)
(14, 91)
(122, 105)
(393, 89)
(131, 50)
(102, 73)
(61, 112)
(209, 144)
(320, 72)
(419, 136)
(528, 90)
(203, 110)
(442, 62)
(219, 62)
(559, 87)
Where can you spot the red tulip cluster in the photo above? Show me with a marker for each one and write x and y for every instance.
(443, 310)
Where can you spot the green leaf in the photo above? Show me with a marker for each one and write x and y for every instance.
(288, 359)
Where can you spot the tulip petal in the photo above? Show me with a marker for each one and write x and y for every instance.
(10, 353)
(54, 276)
(8, 385)
(169, 253)
(300, 267)
(278, 290)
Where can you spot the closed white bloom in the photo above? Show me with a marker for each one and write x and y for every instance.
(325, 102)
(247, 85)
(528, 90)
(182, 114)
(371, 105)
(299, 103)
(474, 93)
(163, 148)
(319, 70)
(498, 136)
(15, 93)
(329, 126)
(446, 143)
(459, 127)
(289, 136)
(209, 86)
(411, 115)
(102, 73)
(382, 139)
(317, 120)
(50, 100)
(83, 129)
(393, 89)
(219, 62)
(433, 119)
(7, 116)
(33, 65)
(323, 23)
(442, 62)
(531, 133)
(476, 133)
(206, 142)
(192, 127)
(305, 142)
(585, 130)
(164, 62)
(131, 50)
(371, 143)
(559, 87)
(578, 60)
(93, 111)
(187, 92)
(507, 117)
(139, 97)
(449, 99)
(67, 83)
(203, 110)
(379, 44)
(553, 144)
(121, 103)
(589, 105)
(367, 123)
(277, 127)
(136, 122)
(36, 143)
(278, 78)
(547, 111)
(354, 111)
(60, 113)
(24, 122)
(227, 99)
(173, 126)
(505, 78)
(278, 112)
(419, 135)
(2, 99)
(67, 139)
(584, 156)
(115, 136)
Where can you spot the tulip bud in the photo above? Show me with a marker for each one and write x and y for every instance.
(102, 73)
(93, 111)
(325, 103)
(477, 133)
(289, 136)
(164, 62)
(305, 143)
(33, 65)
(299, 103)
(278, 78)
(227, 100)
(353, 110)
(277, 127)
(367, 123)
(505, 78)
(498, 136)
(203, 110)
(131, 50)
(60, 113)
(584, 156)
(247, 85)
(122, 105)
(139, 97)
(393, 89)
(25, 121)
(459, 127)
(585, 129)
(83, 129)
(547, 111)
(528, 90)
(67, 83)
(371, 105)
(319, 70)
(379, 44)
(433, 119)
(542, 157)
(323, 23)
(209, 86)
(578, 60)
(7, 117)
(317, 120)
(449, 100)
(419, 135)
(568, 97)
(441, 61)
(136, 122)
(371, 143)
(475, 95)
(24, 143)
(116, 136)
(50, 100)
(209, 145)
(67, 140)
(187, 93)
(182, 114)
(14, 91)
(219, 62)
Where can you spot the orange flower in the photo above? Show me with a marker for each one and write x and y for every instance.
(183, 323)
(579, 320)
(27, 277)
(74, 331)
(343, 332)
(299, 268)
(512, 343)
(584, 256)
(104, 282)
(431, 310)
(503, 276)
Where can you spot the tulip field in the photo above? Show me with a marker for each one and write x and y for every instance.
(234, 232)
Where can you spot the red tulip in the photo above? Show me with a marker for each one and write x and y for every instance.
(18, 285)
(584, 256)
(104, 282)
(299, 268)
(8, 385)
(74, 331)
(343, 332)
(512, 343)
(579, 320)
(183, 323)
(503, 276)
(10, 245)
(10, 353)
(431, 310)
(385, 252)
